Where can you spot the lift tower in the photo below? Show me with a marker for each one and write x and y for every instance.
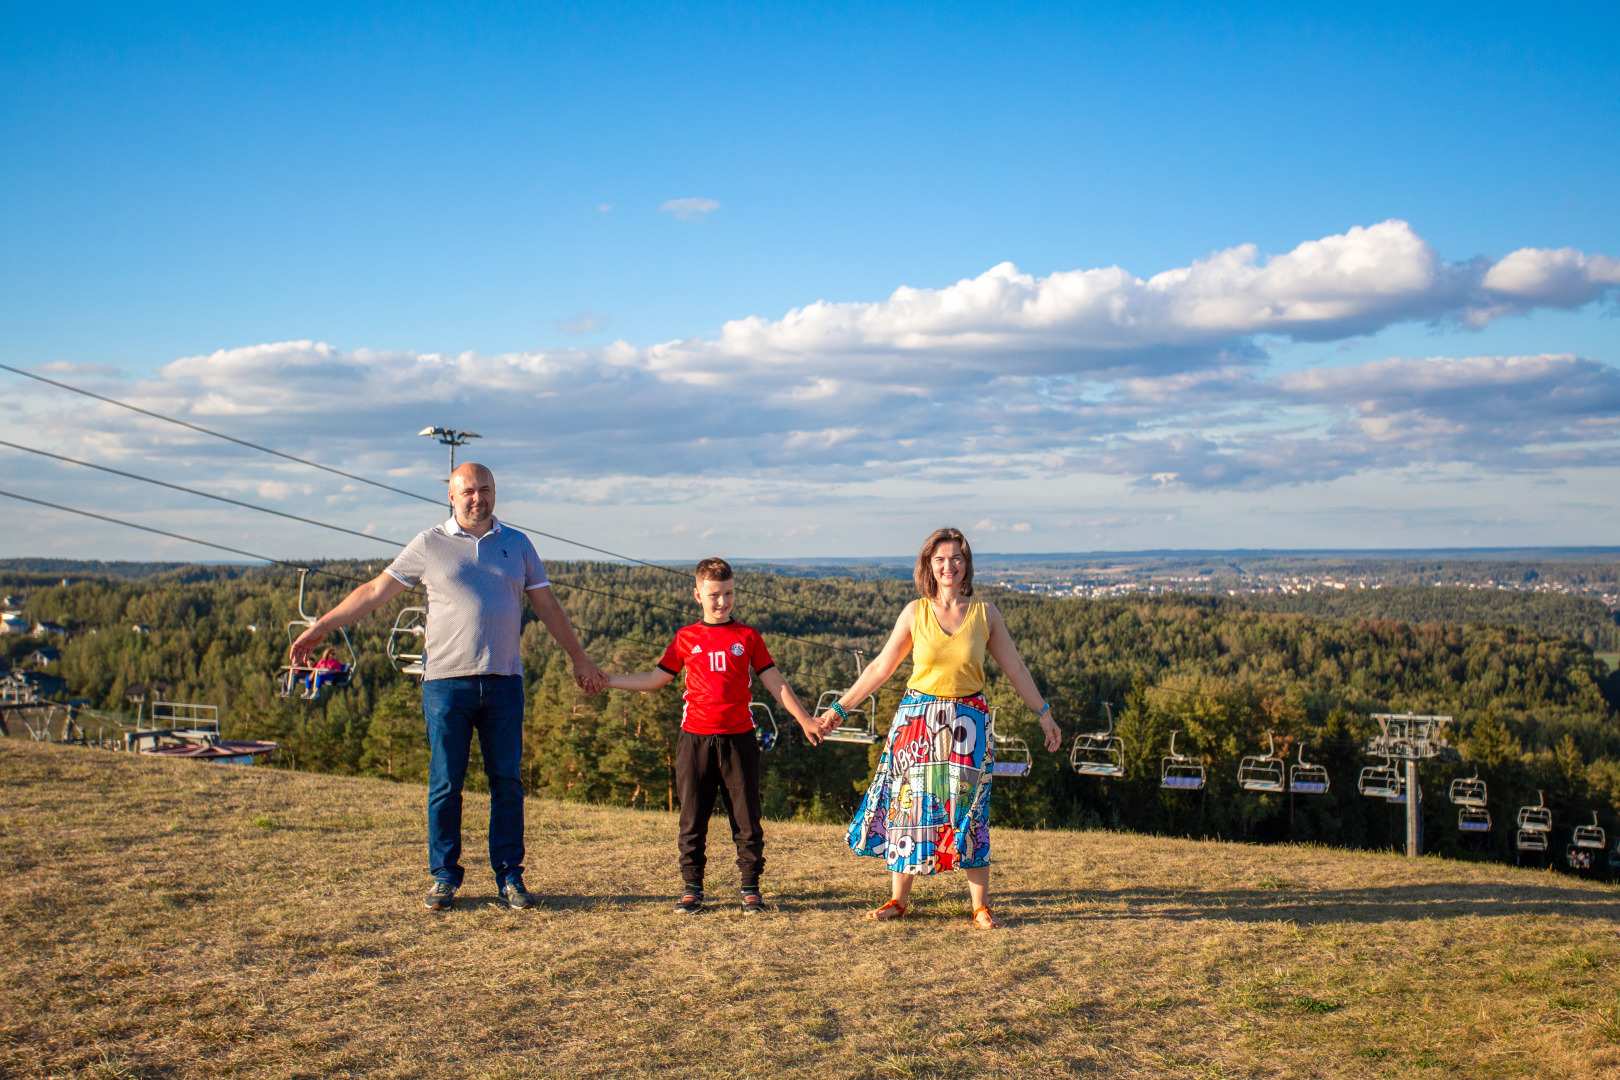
(1411, 738)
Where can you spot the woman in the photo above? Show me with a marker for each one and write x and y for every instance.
(928, 807)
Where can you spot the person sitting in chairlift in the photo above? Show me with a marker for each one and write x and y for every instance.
(327, 669)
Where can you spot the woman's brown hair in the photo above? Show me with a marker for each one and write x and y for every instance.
(923, 575)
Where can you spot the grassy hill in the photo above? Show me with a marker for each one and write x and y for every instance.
(170, 919)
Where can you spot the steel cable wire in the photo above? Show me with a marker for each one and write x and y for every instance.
(351, 532)
(353, 476)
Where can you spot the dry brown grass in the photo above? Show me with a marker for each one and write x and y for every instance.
(175, 919)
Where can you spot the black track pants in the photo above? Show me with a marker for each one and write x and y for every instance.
(727, 765)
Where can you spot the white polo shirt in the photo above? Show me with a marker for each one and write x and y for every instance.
(476, 589)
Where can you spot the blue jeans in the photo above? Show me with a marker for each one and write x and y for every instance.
(491, 705)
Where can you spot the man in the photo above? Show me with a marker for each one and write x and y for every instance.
(477, 573)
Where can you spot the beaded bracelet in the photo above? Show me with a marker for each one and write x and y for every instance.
(839, 709)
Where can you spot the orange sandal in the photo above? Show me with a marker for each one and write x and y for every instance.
(897, 905)
(995, 923)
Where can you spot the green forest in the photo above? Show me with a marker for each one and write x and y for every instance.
(1579, 617)
(1533, 710)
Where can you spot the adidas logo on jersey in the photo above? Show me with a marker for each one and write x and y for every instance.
(697, 649)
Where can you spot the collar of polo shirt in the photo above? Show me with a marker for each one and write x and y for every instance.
(453, 527)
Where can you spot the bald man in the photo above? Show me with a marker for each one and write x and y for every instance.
(477, 573)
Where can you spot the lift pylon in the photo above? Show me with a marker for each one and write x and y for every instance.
(1410, 738)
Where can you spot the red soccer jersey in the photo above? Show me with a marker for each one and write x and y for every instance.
(718, 661)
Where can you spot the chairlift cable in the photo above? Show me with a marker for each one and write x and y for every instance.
(211, 431)
(353, 476)
(178, 536)
(284, 562)
(341, 529)
(203, 494)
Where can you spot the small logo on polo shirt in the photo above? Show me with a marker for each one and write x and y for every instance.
(737, 649)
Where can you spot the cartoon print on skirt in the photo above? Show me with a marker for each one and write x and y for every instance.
(928, 807)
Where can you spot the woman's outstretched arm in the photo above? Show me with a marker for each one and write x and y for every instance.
(1005, 653)
(878, 671)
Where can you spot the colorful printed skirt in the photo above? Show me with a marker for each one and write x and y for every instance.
(928, 808)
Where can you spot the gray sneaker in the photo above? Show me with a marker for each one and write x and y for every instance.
(442, 897)
(516, 896)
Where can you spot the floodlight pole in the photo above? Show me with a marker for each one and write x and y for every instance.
(452, 438)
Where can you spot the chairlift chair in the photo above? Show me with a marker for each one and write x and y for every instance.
(407, 642)
(1614, 856)
(1473, 819)
(1101, 753)
(1531, 840)
(1579, 858)
(1179, 771)
(1012, 753)
(1537, 818)
(1305, 778)
(861, 727)
(765, 729)
(291, 673)
(1468, 791)
(1591, 836)
(1380, 781)
(1262, 772)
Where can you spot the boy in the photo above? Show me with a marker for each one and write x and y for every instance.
(717, 749)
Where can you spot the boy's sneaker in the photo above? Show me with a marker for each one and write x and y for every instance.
(516, 896)
(752, 902)
(690, 903)
(442, 897)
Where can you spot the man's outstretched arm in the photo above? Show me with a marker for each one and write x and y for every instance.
(359, 603)
(555, 620)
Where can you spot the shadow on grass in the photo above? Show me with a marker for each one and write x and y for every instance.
(1410, 903)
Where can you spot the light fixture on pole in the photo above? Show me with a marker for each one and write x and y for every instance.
(452, 438)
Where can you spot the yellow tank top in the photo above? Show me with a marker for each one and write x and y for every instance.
(948, 665)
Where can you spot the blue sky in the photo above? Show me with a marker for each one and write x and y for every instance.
(473, 194)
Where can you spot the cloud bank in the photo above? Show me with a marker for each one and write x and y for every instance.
(1162, 382)
(1107, 321)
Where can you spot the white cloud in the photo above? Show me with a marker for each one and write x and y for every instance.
(1108, 320)
(689, 209)
(1561, 277)
(1000, 383)
(587, 323)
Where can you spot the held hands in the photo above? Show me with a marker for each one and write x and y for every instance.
(812, 727)
(829, 722)
(588, 676)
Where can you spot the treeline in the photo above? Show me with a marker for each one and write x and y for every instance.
(1533, 711)
(1583, 618)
